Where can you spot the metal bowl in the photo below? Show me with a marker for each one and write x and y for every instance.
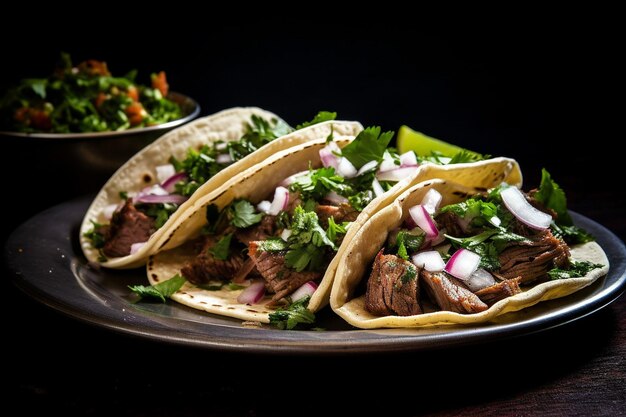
(85, 160)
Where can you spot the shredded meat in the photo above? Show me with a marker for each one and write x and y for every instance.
(280, 279)
(451, 294)
(205, 267)
(128, 226)
(341, 213)
(261, 231)
(496, 292)
(392, 287)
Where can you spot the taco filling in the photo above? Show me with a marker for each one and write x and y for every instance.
(467, 256)
(139, 215)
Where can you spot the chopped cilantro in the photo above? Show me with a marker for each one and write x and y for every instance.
(488, 245)
(410, 274)
(123, 195)
(160, 291)
(242, 214)
(408, 242)
(273, 244)
(369, 145)
(319, 182)
(320, 117)
(467, 156)
(221, 250)
(296, 314)
(97, 238)
(159, 212)
(335, 229)
(575, 270)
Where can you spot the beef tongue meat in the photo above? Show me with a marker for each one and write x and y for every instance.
(279, 278)
(128, 226)
(450, 294)
(205, 267)
(532, 259)
(496, 292)
(393, 287)
(261, 231)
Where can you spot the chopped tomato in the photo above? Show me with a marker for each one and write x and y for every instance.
(39, 119)
(133, 93)
(93, 67)
(136, 113)
(100, 99)
(159, 81)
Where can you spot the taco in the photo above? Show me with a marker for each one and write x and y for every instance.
(272, 236)
(146, 195)
(444, 253)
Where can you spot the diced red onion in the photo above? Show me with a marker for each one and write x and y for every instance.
(224, 158)
(388, 163)
(156, 199)
(369, 166)
(378, 189)
(429, 260)
(307, 289)
(221, 146)
(335, 198)
(480, 279)
(517, 204)
(462, 264)
(157, 190)
(408, 159)
(422, 219)
(107, 211)
(134, 248)
(431, 201)
(328, 155)
(397, 174)
(253, 294)
(169, 184)
(285, 234)
(165, 171)
(292, 178)
(345, 168)
(264, 206)
(280, 202)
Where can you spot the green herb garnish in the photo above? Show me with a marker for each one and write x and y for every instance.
(160, 291)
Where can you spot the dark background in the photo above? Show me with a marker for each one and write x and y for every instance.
(533, 89)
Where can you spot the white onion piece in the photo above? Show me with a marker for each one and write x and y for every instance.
(107, 211)
(292, 178)
(422, 219)
(408, 159)
(378, 189)
(388, 163)
(134, 248)
(429, 260)
(369, 166)
(480, 279)
(221, 146)
(495, 220)
(345, 168)
(308, 288)
(462, 264)
(163, 172)
(280, 202)
(517, 204)
(253, 294)
(335, 198)
(224, 158)
(264, 206)
(397, 174)
(431, 201)
(328, 155)
(285, 234)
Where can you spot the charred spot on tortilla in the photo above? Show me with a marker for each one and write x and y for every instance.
(154, 277)
(190, 296)
(147, 178)
(230, 308)
(212, 305)
(251, 311)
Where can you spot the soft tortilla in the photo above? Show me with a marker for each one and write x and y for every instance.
(360, 251)
(140, 170)
(257, 183)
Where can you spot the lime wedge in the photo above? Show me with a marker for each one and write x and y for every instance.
(422, 145)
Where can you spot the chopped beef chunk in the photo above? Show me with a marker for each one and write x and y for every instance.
(205, 267)
(532, 259)
(341, 213)
(260, 231)
(496, 292)
(248, 269)
(392, 287)
(128, 226)
(279, 278)
(450, 294)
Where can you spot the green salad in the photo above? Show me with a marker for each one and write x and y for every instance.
(86, 98)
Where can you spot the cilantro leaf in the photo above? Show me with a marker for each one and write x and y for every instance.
(369, 145)
(161, 291)
(571, 234)
(553, 197)
(159, 212)
(221, 250)
(296, 314)
(335, 229)
(320, 117)
(467, 156)
(273, 244)
(407, 242)
(319, 182)
(488, 245)
(97, 238)
(575, 270)
(242, 214)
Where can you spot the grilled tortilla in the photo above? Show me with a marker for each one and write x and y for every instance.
(347, 298)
